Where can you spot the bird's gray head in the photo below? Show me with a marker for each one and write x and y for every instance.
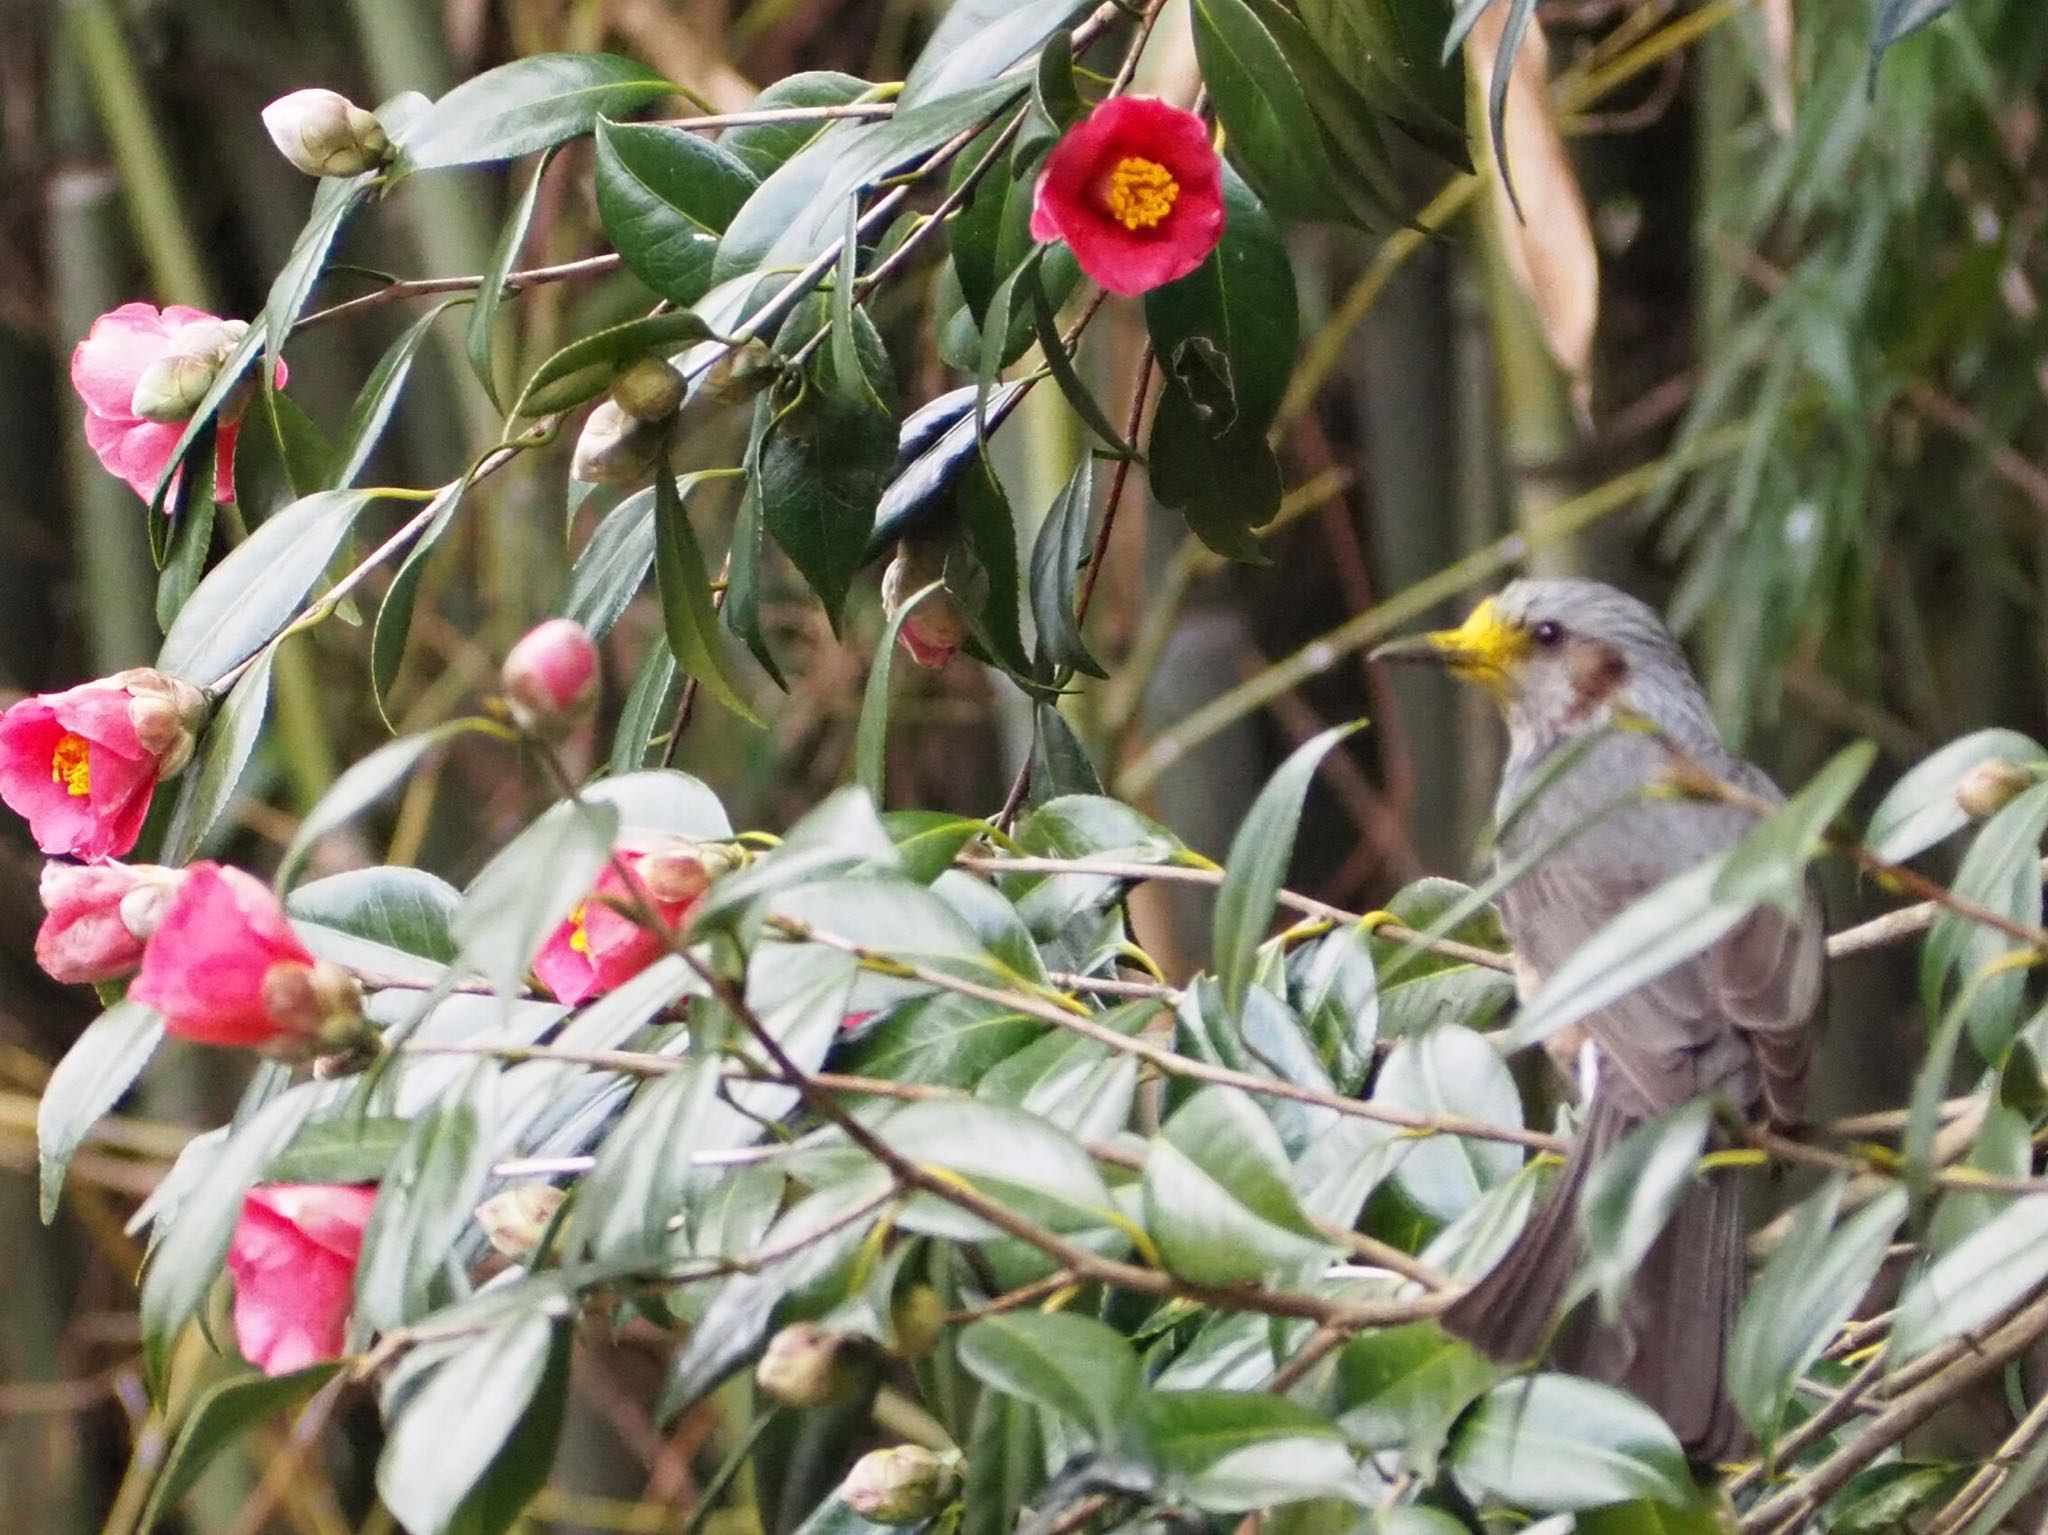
(1562, 656)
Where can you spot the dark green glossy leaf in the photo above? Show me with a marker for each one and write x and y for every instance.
(984, 569)
(649, 708)
(689, 618)
(1069, 1365)
(101, 1065)
(295, 455)
(1403, 1388)
(936, 445)
(585, 368)
(1059, 762)
(1057, 556)
(929, 840)
(764, 147)
(1270, 131)
(526, 106)
(1555, 1442)
(344, 1149)
(253, 593)
(1230, 1452)
(665, 197)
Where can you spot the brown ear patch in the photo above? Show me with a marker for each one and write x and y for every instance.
(1596, 670)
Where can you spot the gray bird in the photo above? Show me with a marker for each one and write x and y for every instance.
(1564, 659)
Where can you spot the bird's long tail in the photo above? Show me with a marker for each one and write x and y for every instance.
(1669, 1344)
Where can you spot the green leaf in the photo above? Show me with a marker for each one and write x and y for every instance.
(2002, 872)
(1880, 1499)
(1057, 557)
(1897, 19)
(204, 420)
(383, 921)
(186, 1259)
(447, 1435)
(378, 398)
(101, 1065)
(423, 1204)
(1391, 52)
(1807, 1290)
(624, 1205)
(1520, 14)
(394, 614)
(527, 106)
(333, 200)
(613, 566)
(362, 785)
(1231, 1452)
(481, 341)
(978, 39)
(585, 368)
(649, 706)
(285, 450)
(983, 569)
(1631, 1192)
(1016, 1158)
(1994, 1266)
(688, 617)
(347, 1149)
(1257, 865)
(1059, 361)
(1333, 985)
(1270, 131)
(527, 891)
(191, 536)
(763, 148)
(258, 589)
(871, 735)
(742, 611)
(929, 840)
(935, 446)
(1228, 1137)
(942, 1041)
(1451, 1070)
(1556, 1442)
(665, 196)
(1403, 1388)
(218, 1420)
(216, 771)
(1224, 489)
(1205, 1234)
(1070, 1365)
(1059, 762)
(1921, 809)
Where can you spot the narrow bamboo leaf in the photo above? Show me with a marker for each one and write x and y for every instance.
(584, 368)
(191, 537)
(526, 106)
(688, 616)
(529, 888)
(362, 785)
(374, 403)
(1257, 865)
(649, 705)
(481, 341)
(613, 566)
(252, 594)
(218, 1420)
(393, 626)
(96, 1071)
(871, 737)
(216, 771)
(742, 611)
(1897, 19)
(1516, 27)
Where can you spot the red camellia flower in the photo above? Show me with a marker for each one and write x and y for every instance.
(600, 946)
(225, 968)
(293, 1259)
(1136, 190)
(141, 372)
(81, 765)
(99, 916)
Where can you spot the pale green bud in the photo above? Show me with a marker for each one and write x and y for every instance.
(323, 133)
(614, 448)
(904, 1485)
(650, 390)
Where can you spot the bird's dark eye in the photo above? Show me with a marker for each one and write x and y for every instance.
(1548, 633)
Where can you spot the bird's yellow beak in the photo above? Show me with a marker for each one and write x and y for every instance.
(1483, 649)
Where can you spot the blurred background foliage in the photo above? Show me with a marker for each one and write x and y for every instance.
(1802, 398)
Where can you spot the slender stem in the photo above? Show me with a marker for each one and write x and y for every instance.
(861, 111)
(417, 287)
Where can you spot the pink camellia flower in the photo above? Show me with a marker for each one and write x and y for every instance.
(225, 968)
(602, 945)
(550, 677)
(293, 1259)
(81, 766)
(1136, 190)
(98, 916)
(142, 372)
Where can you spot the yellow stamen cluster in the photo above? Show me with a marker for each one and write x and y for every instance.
(71, 765)
(579, 935)
(1140, 192)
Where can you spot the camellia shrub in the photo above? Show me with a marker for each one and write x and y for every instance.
(893, 1109)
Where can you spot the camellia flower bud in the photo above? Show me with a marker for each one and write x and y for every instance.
(517, 1218)
(676, 869)
(99, 916)
(804, 1366)
(650, 390)
(615, 448)
(935, 628)
(919, 1318)
(323, 133)
(225, 968)
(1990, 786)
(550, 677)
(83, 765)
(742, 372)
(904, 1485)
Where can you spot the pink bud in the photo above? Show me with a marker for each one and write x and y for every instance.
(935, 628)
(98, 917)
(550, 677)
